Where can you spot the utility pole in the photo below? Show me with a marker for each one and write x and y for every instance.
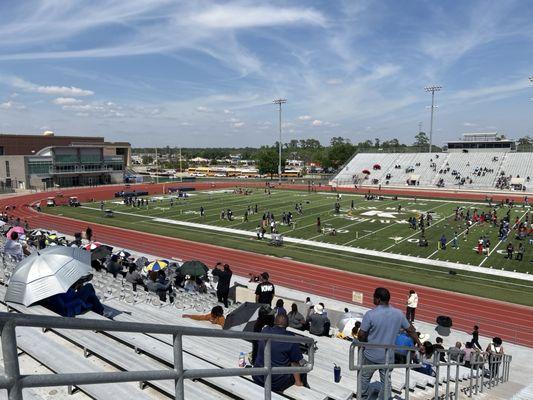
(279, 102)
(181, 169)
(156, 167)
(432, 89)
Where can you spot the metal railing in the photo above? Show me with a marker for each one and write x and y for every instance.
(497, 371)
(14, 381)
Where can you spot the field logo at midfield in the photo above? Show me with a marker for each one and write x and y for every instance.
(380, 214)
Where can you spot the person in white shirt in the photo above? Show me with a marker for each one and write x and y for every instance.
(13, 248)
(412, 304)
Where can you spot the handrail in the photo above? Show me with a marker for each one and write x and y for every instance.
(498, 369)
(14, 381)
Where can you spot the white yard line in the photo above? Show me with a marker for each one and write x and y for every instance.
(347, 249)
(416, 233)
(449, 241)
(498, 244)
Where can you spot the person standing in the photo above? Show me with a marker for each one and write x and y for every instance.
(412, 304)
(224, 282)
(264, 293)
(318, 225)
(381, 326)
(475, 338)
(89, 234)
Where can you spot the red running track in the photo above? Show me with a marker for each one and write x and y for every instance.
(511, 322)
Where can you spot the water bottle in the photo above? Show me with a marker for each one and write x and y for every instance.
(336, 373)
(242, 360)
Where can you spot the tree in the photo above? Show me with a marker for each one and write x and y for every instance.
(267, 161)
(525, 141)
(421, 139)
(147, 160)
(376, 143)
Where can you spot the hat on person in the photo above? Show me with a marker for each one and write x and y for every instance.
(319, 309)
(424, 337)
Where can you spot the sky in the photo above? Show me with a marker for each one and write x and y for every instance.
(204, 74)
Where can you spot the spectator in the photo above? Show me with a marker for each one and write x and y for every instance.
(190, 285)
(264, 293)
(456, 352)
(279, 309)
(475, 338)
(510, 250)
(216, 316)
(405, 340)
(494, 349)
(283, 354)
(13, 247)
(412, 304)
(520, 252)
(296, 319)
(113, 267)
(324, 311)
(426, 353)
(224, 282)
(319, 323)
(265, 317)
(89, 234)
(438, 346)
(159, 288)
(201, 286)
(468, 352)
(134, 277)
(380, 326)
(346, 315)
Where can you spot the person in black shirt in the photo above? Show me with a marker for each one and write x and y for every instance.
(475, 338)
(264, 293)
(224, 281)
(89, 234)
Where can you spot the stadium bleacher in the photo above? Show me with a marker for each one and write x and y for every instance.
(473, 170)
(65, 350)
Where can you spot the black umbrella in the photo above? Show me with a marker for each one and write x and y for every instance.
(243, 318)
(101, 252)
(194, 268)
(141, 262)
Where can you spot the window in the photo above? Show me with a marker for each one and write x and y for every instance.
(8, 172)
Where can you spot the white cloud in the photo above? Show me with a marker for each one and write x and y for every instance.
(239, 124)
(304, 117)
(334, 81)
(12, 105)
(469, 124)
(65, 91)
(236, 17)
(226, 111)
(317, 122)
(203, 109)
(66, 100)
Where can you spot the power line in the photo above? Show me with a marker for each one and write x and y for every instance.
(432, 89)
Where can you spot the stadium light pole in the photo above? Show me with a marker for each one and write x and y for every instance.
(279, 102)
(432, 89)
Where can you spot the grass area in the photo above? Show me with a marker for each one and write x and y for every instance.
(374, 224)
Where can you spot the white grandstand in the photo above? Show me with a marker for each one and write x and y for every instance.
(473, 170)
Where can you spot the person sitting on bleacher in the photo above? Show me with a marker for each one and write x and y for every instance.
(216, 316)
(319, 323)
(113, 267)
(154, 286)
(283, 354)
(78, 299)
(13, 247)
(296, 319)
(134, 277)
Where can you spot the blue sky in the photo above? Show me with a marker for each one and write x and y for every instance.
(201, 73)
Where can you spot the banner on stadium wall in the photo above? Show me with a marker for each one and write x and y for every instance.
(357, 297)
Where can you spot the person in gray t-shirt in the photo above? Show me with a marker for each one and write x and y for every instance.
(380, 326)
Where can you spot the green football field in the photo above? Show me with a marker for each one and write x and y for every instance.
(379, 225)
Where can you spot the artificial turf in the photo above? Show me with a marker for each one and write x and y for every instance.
(371, 224)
